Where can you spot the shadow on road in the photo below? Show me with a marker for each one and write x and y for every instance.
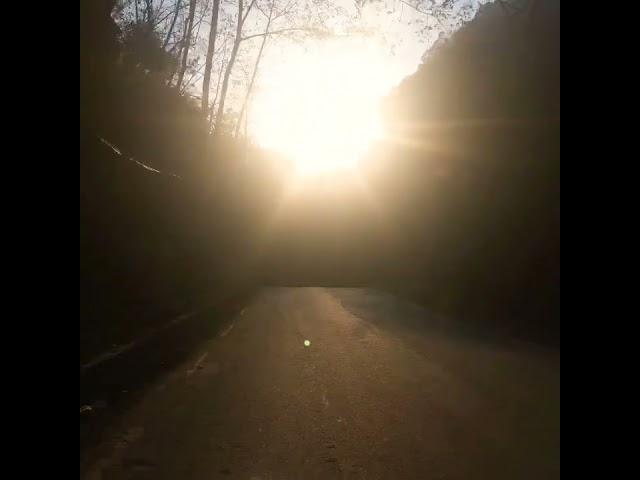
(112, 386)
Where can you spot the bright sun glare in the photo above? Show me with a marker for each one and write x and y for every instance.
(321, 107)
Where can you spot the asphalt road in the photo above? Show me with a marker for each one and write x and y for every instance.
(383, 390)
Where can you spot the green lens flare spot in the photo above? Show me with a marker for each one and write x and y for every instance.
(307, 343)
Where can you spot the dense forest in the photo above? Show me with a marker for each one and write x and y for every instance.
(484, 111)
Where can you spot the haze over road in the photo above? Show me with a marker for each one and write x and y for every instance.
(383, 391)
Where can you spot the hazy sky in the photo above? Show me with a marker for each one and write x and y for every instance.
(320, 99)
(397, 30)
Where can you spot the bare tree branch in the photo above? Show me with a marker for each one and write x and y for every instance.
(232, 59)
(431, 13)
(247, 12)
(283, 30)
(255, 72)
(160, 20)
(173, 24)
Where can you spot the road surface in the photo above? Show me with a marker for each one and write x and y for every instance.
(315, 383)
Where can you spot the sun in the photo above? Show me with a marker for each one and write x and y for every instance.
(320, 108)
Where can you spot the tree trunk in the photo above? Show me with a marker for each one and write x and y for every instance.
(212, 110)
(148, 11)
(173, 24)
(232, 59)
(187, 43)
(176, 65)
(209, 61)
(253, 75)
